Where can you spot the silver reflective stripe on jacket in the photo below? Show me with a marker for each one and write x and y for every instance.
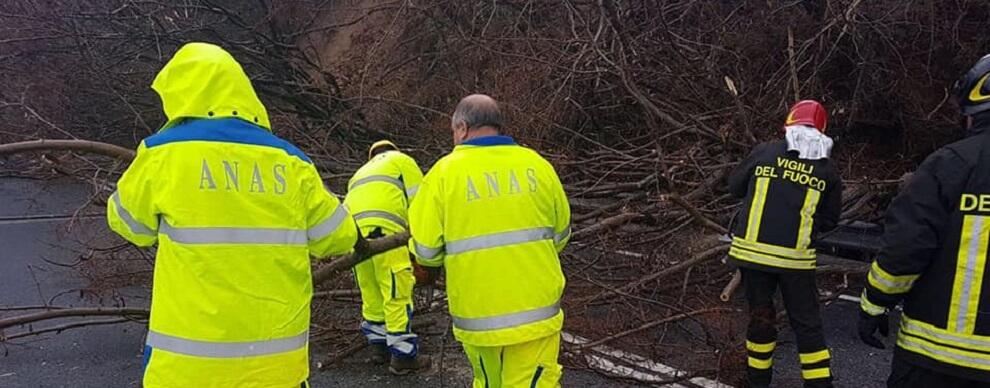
(909, 325)
(134, 225)
(557, 238)
(411, 192)
(495, 240)
(426, 252)
(213, 349)
(378, 178)
(381, 214)
(507, 320)
(911, 343)
(224, 235)
(329, 225)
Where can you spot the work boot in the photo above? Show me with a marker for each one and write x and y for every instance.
(379, 354)
(405, 365)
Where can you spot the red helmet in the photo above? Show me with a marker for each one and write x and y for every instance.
(810, 113)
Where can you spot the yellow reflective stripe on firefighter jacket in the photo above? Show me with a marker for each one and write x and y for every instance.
(934, 259)
(236, 213)
(787, 201)
(379, 193)
(496, 216)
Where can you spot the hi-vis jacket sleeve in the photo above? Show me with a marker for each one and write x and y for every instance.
(911, 229)
(412, 176)
(331, 229)
(131, 210)
(426, 223)
(562, 207)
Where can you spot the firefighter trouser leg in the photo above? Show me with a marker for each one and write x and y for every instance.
(761, 335)
(529, 364)
(800, 295)
(906, 375)
(386, 283)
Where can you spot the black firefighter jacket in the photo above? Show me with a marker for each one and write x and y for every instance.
(787, 202)
(934, 258)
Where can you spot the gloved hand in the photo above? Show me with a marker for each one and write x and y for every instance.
(869, 324)
(425, 276)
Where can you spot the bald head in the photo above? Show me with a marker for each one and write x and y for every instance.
(477, 111)
(476, 115)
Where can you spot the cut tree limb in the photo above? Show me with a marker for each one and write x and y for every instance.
(698, 259)
(342, 263)
(653, 324)
(700, 218)
(606, 224)
(94, 147)
(136, 313)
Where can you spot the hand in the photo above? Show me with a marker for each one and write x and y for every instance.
(361, 246)
(869, 324)
(425, 276)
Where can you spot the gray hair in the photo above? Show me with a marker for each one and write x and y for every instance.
(477, 112)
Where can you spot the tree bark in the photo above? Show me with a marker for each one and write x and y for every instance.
(94, 147)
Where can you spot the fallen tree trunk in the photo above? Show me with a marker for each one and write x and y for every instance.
(342, 263)
(137, 313)
(93, 147)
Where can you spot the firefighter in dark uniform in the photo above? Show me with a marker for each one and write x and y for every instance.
(934, 259)
(792, 193)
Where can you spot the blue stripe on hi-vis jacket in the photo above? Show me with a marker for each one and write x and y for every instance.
(490, 141)
(225, 130)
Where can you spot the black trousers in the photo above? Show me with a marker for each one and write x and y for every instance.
(906, 375)
(800, 295)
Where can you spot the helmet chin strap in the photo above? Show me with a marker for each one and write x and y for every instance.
(976, 123)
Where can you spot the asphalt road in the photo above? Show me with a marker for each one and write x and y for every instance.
(110, 356)
(853, 363)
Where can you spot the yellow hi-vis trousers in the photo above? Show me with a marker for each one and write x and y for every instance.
(386, 282)
(525, 365)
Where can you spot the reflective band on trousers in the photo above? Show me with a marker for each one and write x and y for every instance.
(508, 320)
(329, 225)
(381, 214)
(378, 178)
(223, 235)
(214, 349)
(134, 225)
(499, 239)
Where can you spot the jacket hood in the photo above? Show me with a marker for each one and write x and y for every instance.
(204, 81)
(808, 142)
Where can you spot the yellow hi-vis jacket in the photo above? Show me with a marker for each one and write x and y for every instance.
(379, 193)
(496, 216)
(236, 213)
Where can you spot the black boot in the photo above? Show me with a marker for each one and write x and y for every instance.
(379, 354)
(405, 365)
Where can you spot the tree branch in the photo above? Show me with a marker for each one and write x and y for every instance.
(94, 147)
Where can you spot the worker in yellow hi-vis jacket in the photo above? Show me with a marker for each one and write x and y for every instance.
(236, 213)
(495, 215)
(378, 195)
